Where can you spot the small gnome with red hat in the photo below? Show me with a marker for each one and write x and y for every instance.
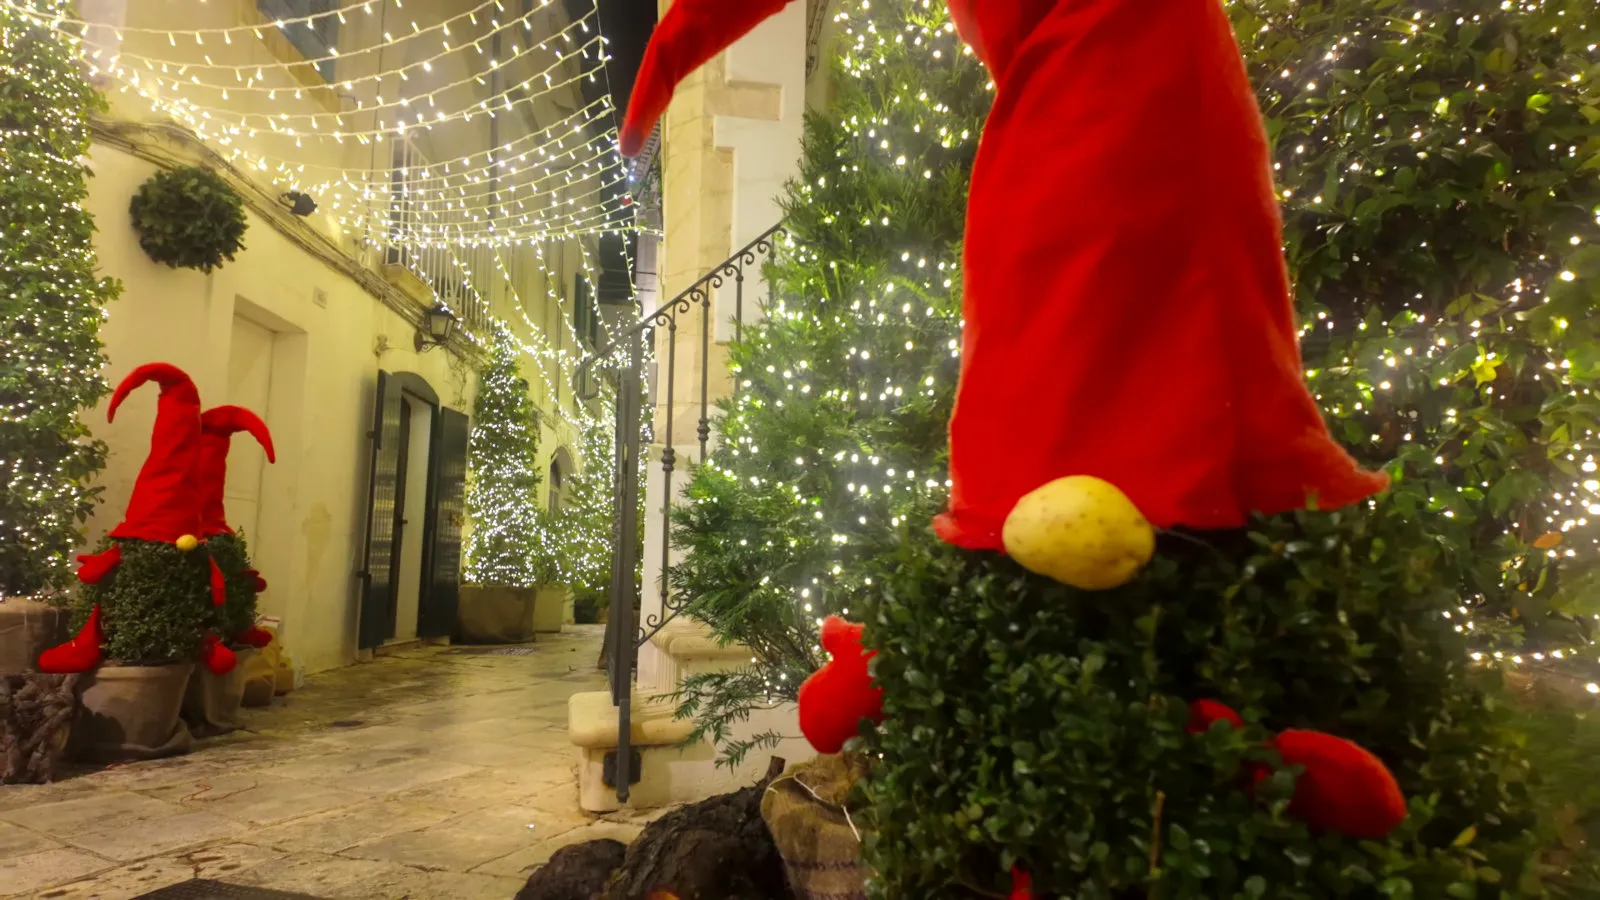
(237, 615)
(164, 511)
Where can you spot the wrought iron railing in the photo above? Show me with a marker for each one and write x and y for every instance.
(624, 361)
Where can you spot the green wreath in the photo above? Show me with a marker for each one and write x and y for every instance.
(189, 218)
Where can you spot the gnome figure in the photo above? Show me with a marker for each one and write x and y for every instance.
(1131, 366)
(218, 425)
(164, 508)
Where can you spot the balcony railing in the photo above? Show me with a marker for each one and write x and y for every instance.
(624, 363)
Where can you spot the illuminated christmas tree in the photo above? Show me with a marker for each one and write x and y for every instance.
(505, 547)
(51, 305)
(833, 443)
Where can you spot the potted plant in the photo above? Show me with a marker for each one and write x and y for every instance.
(211, 705)
(553, 602)
(146, 609)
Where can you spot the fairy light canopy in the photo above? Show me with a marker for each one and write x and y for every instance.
(444, 124)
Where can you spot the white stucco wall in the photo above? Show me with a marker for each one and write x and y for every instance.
(309, 543)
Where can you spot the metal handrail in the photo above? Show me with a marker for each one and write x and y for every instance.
(624, 633)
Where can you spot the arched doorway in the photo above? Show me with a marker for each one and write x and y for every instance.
(410, 582)
(561, 471)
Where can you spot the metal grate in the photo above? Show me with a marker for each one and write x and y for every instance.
(203, 889)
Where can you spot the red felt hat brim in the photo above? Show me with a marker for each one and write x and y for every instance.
(688, 36)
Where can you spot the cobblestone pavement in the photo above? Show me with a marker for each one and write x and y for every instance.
(426, 774)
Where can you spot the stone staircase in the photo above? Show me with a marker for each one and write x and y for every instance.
(668, 773)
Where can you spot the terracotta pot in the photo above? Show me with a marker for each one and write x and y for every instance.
(553, 608)
(496, 615)
(211, 703)
(36, 713)
(28, 627)
(131, 712)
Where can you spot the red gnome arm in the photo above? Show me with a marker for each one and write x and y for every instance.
(688, 36)
(836, 697)
(1342, 787)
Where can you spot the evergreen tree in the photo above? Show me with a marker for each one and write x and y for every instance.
(51, 303)
(586, 527)
(1438, 168)
(505, 547)
(835, 434)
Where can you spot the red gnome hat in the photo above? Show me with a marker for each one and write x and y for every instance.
(218, 425)
(1133, 323)
(164, 506)
(836, 697)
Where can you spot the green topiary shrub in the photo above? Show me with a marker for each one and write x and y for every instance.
(189, 218)
(238, 611)
(155, 606)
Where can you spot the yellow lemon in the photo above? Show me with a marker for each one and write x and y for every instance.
(1082, 532)
(187, 542)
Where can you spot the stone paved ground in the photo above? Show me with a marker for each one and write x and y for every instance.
(447, 776)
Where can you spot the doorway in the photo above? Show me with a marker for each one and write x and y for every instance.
(410, 582)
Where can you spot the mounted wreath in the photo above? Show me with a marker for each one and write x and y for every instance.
(189, 217)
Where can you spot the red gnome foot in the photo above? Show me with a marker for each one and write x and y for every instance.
(217, 657)
(80, 654)
(836, 697)
(255, 636)
(1342, 787)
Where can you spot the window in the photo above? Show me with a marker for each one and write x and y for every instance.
(584, 320)
(315, 39)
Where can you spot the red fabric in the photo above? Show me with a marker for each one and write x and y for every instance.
(1203, 712)
(219, 584)
(1344, 788)
(255, 636)
(80, 654)
(218, 659)
(218, 425)
(165, 505)
(93, 567)
(1021, 885)
(836, 697)
(256, 581)
(688, 36)
(1132, 320)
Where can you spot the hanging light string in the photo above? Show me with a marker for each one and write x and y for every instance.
(245, 74)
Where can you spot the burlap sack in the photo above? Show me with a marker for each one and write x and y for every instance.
(131, 713)
(28, 627)
(211, 704)
(807, 814)
(36, 713)
(259, 671)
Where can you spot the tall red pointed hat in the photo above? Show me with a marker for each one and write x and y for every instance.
(1133, 321)
(165, 505)
(218, 425)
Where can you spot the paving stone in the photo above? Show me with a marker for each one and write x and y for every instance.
(22, 875)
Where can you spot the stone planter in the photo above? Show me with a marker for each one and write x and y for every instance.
(211, 703)
(131, 713)
(496, 615)
(552, 609)
(28, 627)
(36, 714)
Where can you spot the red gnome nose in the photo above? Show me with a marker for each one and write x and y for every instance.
(836, 697)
